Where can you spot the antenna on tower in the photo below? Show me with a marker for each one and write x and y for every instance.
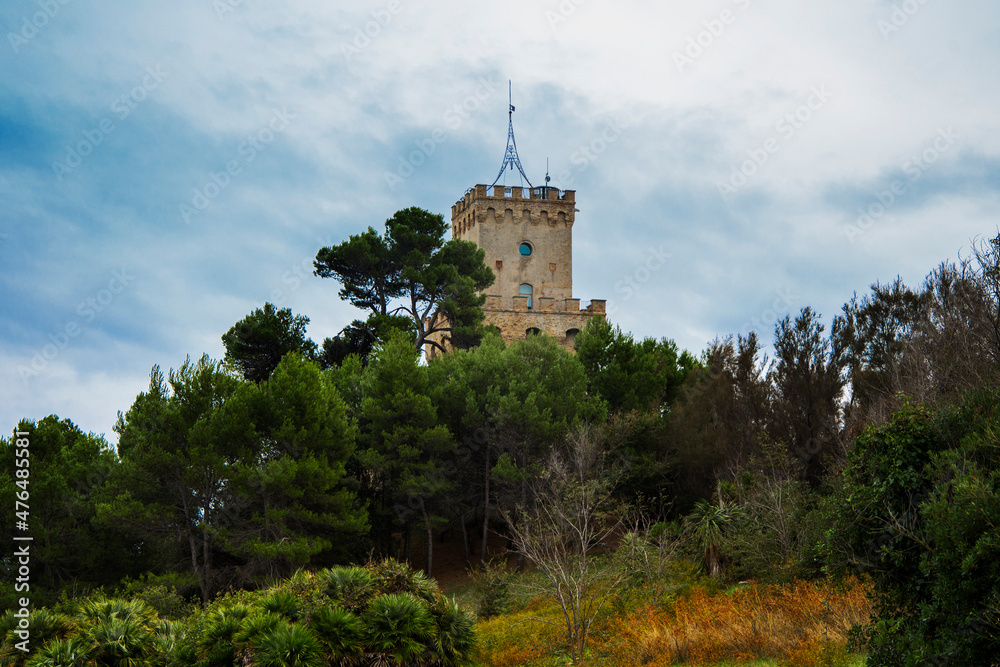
(510, 158)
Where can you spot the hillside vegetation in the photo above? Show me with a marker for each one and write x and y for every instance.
(635, 482)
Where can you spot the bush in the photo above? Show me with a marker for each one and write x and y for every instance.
(163, 593)
(383, 612)
(491, 581)
(919, 510)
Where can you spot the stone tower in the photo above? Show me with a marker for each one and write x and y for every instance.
(527, 233)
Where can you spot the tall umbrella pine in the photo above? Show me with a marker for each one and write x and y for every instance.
(402, 448)
(294, 495)
(256, 344)
(409, 279)
(178, 443)
(466, 386)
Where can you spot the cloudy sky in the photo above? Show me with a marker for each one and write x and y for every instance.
(166, 168)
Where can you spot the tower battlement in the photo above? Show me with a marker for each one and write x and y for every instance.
(509, 192)
(545, 206)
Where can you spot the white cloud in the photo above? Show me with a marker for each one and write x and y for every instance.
(357, 115)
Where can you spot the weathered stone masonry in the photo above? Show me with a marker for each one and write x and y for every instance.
(527, 234)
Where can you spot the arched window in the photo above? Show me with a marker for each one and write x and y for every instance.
(525, 290)
(571, 335)
(533, 331)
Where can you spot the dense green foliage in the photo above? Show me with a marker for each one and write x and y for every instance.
(66, 467)
(381, 614)
(512, 401)
(403, 446)
(257, 343)
(409, 279)
(869, 447)
(631, 375)
(239, 480)
(918, 511)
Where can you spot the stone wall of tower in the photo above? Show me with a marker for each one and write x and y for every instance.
(561, 320)
(500, 222)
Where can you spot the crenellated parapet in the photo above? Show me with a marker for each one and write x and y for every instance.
(514, 206)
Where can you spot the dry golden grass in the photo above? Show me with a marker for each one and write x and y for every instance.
(804, 624)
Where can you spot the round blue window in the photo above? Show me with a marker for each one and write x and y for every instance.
(525, 249)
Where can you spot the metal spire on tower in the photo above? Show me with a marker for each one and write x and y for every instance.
(510, 158)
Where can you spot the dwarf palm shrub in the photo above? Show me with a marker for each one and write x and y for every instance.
(382, 614)
(341, 632)
(72, 652)
(456, 633)
(252, 631)
(121, 642)
(351, 586)
(282, 603)
(45, 626)
(289, 645)
(215, 643)
(398, 625)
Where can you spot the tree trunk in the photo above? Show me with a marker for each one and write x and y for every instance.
(429, 552)
(486, 505)
(206, 553)
(193, 543)
(713, 561)
(465, 541)
(521, 560)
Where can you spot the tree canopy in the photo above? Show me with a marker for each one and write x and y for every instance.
(410, 278)
(66, 467)
(242, 481)
(918, 512)
(257, 343)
